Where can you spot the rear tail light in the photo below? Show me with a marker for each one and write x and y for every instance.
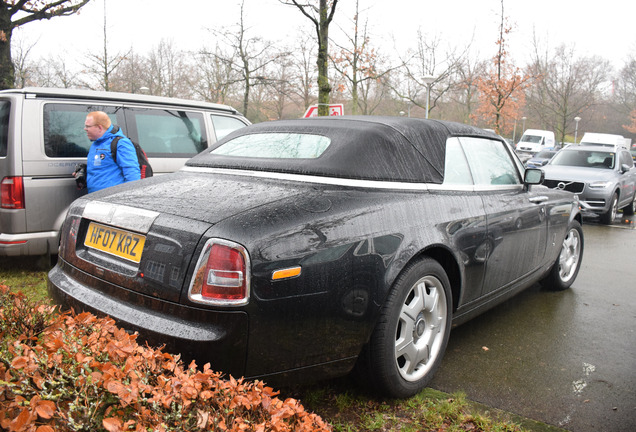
(221, 276)
(12, 193)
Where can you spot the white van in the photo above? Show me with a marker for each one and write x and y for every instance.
(535, 140)
(609, 140)
(42, 139)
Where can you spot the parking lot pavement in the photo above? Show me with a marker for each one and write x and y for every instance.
(564, 358)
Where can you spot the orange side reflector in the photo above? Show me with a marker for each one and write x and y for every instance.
(286, 273)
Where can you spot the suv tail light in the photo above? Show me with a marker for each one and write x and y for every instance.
(221, 276)
(12, 193)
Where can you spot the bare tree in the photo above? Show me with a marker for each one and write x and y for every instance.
(464, 93)
(625, 85)
(428, 68)
(303, 73)
(261, 102)
(373, 93)
(55, 72)
(132, 75)
(565, 87)
(321, 16)
(281, 87)
(167, 71)
(357, 63)
(214, 75)
(101, 66)
(50, 71)
(625, 93)
(304, 76)
(249, 57)
(16, 13)
(23, 67)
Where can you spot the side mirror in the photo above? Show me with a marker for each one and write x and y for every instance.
(533, 176)
(625, 168)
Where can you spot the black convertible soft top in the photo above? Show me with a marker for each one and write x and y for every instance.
(362, 147)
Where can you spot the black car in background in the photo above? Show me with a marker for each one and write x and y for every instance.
(302, 249)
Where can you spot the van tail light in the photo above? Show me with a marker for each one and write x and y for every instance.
(12, 193)
(222, 274)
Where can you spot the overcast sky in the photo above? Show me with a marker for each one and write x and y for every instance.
(606, 28)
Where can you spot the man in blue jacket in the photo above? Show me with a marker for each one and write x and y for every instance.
(101, 170)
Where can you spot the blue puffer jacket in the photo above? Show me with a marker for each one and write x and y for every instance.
(102, 171)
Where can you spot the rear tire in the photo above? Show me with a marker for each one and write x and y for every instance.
(567, 265)
(408, 343)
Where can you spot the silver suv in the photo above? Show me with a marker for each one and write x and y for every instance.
(604, 178)
(42, 140)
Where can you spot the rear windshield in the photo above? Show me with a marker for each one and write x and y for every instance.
(275, 146)
(585, 159)
(5, 107)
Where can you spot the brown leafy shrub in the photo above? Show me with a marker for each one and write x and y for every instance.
(68, 372)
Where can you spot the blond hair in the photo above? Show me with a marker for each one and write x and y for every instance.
(100, 118)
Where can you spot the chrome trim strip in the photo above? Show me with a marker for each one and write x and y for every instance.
(336, 181)
(131, 218)
(373, 184)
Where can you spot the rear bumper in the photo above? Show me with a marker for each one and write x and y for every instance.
(217, 337)
(23, 244)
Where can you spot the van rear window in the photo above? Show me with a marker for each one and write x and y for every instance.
(5, 108)
(64, 134)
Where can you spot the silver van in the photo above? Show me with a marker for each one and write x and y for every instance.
(42, 139)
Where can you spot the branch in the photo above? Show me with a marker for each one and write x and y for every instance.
(48, 11)
(302, 9)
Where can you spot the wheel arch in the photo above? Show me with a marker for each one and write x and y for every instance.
(448, 261)
(578, 217)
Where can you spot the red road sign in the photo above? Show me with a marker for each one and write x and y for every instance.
(334, 110)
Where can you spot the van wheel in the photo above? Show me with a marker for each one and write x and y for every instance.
(408, 343)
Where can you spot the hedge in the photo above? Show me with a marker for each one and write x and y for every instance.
(77, 372)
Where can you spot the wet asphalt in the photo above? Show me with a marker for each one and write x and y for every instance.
(566, 358)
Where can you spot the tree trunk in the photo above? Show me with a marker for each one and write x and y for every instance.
(324, 88)
(7, 76)
(246, 95)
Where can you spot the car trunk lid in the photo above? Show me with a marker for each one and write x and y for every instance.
(147, 247)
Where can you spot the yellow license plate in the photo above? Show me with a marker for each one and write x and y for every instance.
(123, 244)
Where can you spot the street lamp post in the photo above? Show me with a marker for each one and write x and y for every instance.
(428, 80)
(524, 124)
(577, 119)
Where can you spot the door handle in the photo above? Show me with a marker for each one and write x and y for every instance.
(538, 199)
